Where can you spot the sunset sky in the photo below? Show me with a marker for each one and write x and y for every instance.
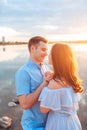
(53, 19)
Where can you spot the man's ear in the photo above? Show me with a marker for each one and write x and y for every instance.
(32, 48)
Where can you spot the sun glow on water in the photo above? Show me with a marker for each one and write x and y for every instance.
(13, 51)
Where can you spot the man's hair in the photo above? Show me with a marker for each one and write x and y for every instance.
(35, 40)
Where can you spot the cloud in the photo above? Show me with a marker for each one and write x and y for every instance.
(11, 34)
(47, 17)
(47, 27)
(7, 31)
(3, 1)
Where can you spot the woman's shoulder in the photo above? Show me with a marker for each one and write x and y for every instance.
(57, 84)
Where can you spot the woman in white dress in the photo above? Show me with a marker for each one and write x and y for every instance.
(60, 98)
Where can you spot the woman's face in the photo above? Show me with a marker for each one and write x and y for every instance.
(50, 59)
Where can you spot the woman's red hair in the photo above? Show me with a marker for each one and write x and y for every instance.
(65, 65)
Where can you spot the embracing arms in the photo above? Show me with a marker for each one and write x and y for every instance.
(26, 101)
(22, 85)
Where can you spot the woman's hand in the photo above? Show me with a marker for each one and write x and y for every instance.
(47, 76)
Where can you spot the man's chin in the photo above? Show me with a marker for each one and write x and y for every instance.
(41, 61)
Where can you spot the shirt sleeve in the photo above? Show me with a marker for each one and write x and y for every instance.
(22, 82)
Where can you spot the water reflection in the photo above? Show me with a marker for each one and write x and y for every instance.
(15, 56)
(84, 99)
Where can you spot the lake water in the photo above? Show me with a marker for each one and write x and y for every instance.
(15, 56)
(13, 51)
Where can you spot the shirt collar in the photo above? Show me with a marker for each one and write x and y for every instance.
(35, 64)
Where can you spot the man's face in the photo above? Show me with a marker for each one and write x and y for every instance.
(40, 52)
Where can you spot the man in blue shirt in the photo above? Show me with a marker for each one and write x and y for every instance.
(29, 83)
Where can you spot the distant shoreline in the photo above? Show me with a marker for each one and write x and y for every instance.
(50, 42)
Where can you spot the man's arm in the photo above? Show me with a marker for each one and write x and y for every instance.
(26, 101)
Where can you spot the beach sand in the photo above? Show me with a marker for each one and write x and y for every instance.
(7, 90)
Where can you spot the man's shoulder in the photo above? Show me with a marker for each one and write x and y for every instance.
(22, 69)
(26, 68)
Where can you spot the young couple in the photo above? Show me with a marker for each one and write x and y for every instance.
(49, 101)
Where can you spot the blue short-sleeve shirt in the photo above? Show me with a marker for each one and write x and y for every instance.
(27, 80)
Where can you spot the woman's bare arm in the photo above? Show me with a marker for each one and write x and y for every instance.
(44, 110)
